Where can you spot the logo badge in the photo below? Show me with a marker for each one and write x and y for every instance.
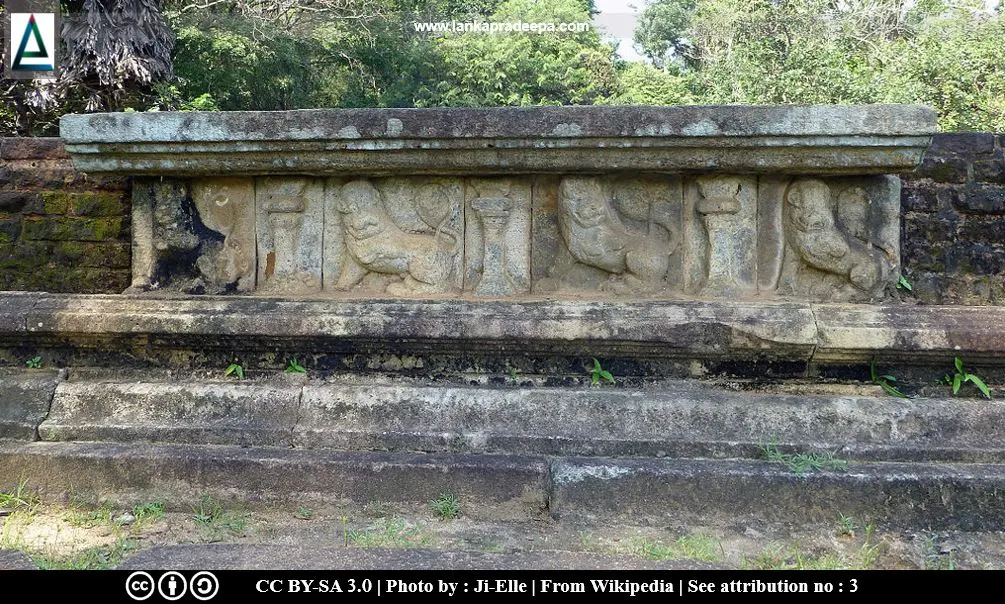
(31, 30)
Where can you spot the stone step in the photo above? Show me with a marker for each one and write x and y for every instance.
(500, 487)
(675, 419)
(690, 337)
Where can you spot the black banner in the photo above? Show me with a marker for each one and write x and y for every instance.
(318, 585)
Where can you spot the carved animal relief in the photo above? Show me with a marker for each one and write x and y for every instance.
(651, 235)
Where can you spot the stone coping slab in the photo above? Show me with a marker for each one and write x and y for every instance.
(871, 139)
(689, 329)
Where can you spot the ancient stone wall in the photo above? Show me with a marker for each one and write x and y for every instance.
(953, 230)
(59, 230)
(63, 232)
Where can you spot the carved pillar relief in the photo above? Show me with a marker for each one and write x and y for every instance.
(290, 225)
(722, 238)
(497, 237)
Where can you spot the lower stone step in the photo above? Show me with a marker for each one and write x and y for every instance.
(931, 495)
(679, 419)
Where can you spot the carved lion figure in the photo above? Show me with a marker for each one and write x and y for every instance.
(376, 244)
(596, 236)
(815, 236)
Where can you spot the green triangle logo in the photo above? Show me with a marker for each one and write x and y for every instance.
(31, 30)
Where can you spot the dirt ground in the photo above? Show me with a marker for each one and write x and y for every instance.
(101, 536)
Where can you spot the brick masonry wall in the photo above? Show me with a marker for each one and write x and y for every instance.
(59, 230)
(953, 213)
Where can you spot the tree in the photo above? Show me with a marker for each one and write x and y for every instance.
(532, 68)
(112, 50)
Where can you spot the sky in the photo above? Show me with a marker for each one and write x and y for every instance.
(618, 19)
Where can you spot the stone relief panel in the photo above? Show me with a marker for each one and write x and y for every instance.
(195, 237)
(497, 237)
(720, 235)
(397, 236)
(715, 236)
(290, 223)
(227, 206)
(614, 236)
(841, 237)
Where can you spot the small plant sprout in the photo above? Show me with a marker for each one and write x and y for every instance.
(962, 376)
(235, 370)
(303, 513)
(885, 382)
(904, 284)
(295, 367)
(34, 363)
(447, 506)
(598, 373)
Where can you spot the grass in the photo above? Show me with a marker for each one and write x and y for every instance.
(217, 522)
(776, 556)
(801, 463)
(295, 367)
(393, 532)
(934, 558)
(93, 558)
(688, 547)
(19, 499)
(447, 506)
(303, 513)
(886, 382)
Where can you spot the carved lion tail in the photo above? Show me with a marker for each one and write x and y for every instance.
(442, 228)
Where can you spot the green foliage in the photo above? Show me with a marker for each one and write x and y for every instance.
(947, 55)
(598, 373)
(235, 370)
(34, 363)
(447, 506)
(554, 68)
(885, 382)
(801, 463)
(903, 283)
(295, 367)
(962, 376)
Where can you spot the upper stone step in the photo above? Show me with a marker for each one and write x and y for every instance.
(826, 139)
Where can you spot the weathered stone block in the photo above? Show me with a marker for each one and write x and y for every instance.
(227, 206)
(96, 255)
(16, 201)
(991, 170)
(73, 229)
(96, 204)
(586, 201)
(10, 228)
(962, 143)
(32, 148)
(615, 236)
(920, 198)
(42, 173)
(55, 202)
(497, 237)
(982, 199)
(941, 169)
